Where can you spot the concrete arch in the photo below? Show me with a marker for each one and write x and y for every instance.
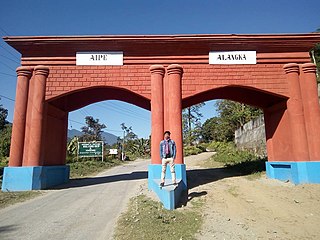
(50, 84)
(274, 106)
(79, 98)
(56, 117)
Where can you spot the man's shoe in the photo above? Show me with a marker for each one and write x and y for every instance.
(175, 184)
(161, 185)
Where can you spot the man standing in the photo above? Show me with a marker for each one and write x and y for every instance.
(167, 155)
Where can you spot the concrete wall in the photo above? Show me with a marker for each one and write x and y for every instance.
(252, 136)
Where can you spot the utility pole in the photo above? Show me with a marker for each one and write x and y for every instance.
(189, 125)
(122, 154)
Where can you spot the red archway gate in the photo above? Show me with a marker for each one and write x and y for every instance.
(164, 74)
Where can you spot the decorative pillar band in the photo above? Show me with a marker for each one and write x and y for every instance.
(291, 68)
(174, 69)
(309, 68)
(24, 71)
(157, 69)
(42, 70)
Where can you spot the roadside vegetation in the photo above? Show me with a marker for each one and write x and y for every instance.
(147, 219)
(10, 198)
(241, 161)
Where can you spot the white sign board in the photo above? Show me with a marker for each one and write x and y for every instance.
(113, 151)
(99, 58)
(233, 57)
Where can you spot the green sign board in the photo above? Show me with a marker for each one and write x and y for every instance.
(90, 149)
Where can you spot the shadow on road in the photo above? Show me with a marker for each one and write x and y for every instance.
(5, 229)
(195, 177)
(88, 181)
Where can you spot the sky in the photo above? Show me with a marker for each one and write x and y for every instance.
(103, 17)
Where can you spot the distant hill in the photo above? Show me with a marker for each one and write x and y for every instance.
(108, 137)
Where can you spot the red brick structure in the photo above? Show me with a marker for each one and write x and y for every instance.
(50, 85)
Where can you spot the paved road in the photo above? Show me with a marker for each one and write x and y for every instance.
(82, 209)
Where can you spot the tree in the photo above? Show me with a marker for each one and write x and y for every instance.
(315, 56)
(231, 115)
(129, 134)
(214, 129)
(3, 116)
(5, 133)
(236, 114)
(140, 147)
(5, 141)
(134, 146)
(93, 130)
(191, 123)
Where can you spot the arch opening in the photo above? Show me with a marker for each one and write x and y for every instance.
(247, 95)
(274, 109)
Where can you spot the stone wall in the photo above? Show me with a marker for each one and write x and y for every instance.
(252, 136)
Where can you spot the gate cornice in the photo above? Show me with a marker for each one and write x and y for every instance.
(164, 49)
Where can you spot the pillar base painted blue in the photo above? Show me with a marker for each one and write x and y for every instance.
(169, 195)
(296, 172)
(34, 178)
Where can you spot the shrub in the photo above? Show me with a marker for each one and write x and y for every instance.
(243, 161)
(192, 150)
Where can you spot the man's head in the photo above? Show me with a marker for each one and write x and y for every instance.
(166, 135)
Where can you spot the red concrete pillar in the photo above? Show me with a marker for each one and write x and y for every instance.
(175, 72)
(19, 117)
(166, 123)
(157, 73)
(37, 122)
(296, 115)
(28, 123)
(309, 92)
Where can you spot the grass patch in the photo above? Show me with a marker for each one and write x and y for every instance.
(91, 167)
(147, 219)
(9, 198)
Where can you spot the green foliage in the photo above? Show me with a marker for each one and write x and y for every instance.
(216, 129)
(236, 114)
(231, 115)
(3, 116)
(72, 147)
(241, 161)
(315, 57)
(134, 147)
(5, 141)
(193, 150)
(138, 148)
(228, 154)
(93, 130)
(5, 133)
(129, 134)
